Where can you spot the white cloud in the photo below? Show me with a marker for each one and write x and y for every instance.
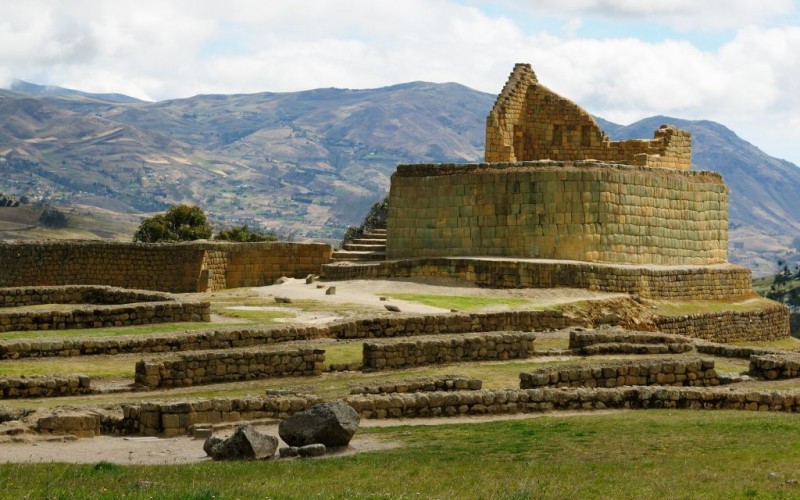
(680, 14)
(158, 50)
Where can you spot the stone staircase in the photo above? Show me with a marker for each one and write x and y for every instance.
(371, 246)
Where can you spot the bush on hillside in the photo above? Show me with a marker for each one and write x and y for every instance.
(178, 223)
(242, 234)
(53, 218)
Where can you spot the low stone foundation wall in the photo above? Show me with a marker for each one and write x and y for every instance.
(676, 372)
(769, 323)
(775, 366)
(580, 337)
(386, 355)
(496, 402)
(433, 384)
(172, 419)
(75, 423)
(376, 327)
(228, 366)
(794, 324)
(593, 342)
(713, 282)
(731, 351)
(44, 386)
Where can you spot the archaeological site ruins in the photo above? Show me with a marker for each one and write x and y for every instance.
(626, 228)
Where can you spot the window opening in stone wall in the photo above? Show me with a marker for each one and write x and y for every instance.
(585, 137)
(556, 135)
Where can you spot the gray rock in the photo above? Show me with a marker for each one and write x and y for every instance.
(331, 290)
(245, 444)
(391, 307)
(283, 300)
(309, 279)
(312, 450)
(332, 424)
(288, 451)
(281, 280)
(210, 443)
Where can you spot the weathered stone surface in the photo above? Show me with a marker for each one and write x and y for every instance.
(312, 450)
(332, 424)
(210, 443)
(288, 451)
(244, 444)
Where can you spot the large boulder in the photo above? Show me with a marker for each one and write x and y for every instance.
(332, 424)
(244, 444)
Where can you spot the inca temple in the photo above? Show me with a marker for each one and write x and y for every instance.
(558, 204)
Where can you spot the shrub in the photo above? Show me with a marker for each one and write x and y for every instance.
(242, 234)
(178, 223)
(53, 218)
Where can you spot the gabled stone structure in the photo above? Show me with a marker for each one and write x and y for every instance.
(531, 122)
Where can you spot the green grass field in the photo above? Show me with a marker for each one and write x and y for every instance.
(635, 454)
(459, 302)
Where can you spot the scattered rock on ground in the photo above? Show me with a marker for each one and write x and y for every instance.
(391, 307)
(309, 279)
(331, 290)
(281, 280)
(312, 450)
(332, 423)
(283, 300)
(288, 451)
(245, 444)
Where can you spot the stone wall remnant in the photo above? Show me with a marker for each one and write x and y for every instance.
(531, 122)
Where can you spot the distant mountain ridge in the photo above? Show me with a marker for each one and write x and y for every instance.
(310, 163)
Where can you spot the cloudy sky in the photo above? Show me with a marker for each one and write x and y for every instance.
(733, 61)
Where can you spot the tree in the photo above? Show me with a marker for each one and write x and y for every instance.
(375, 219)
(242, 234)
(178, 223)
(53, 218)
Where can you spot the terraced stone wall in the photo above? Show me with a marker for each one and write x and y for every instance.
(169, 267)
(715, 282)
(768, 323)
(392, 355)
(228, 366)
(582, 211)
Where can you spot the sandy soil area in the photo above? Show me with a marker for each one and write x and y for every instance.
(368, 293)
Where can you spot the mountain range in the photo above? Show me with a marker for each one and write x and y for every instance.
(308, 164)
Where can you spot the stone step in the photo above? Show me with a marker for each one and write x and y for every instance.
(369, 241)
(375, 233)
(364, 248)
(346, 255)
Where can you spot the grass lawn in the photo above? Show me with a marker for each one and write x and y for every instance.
(459, 302)
(635, 454)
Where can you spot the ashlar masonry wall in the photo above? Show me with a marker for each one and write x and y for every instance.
(584, 211)
(169, 267)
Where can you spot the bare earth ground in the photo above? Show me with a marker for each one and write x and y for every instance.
(135, 450)
(368, 292)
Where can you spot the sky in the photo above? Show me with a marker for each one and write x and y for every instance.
(732, 61)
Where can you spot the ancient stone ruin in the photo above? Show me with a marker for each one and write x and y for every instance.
(531, 122)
